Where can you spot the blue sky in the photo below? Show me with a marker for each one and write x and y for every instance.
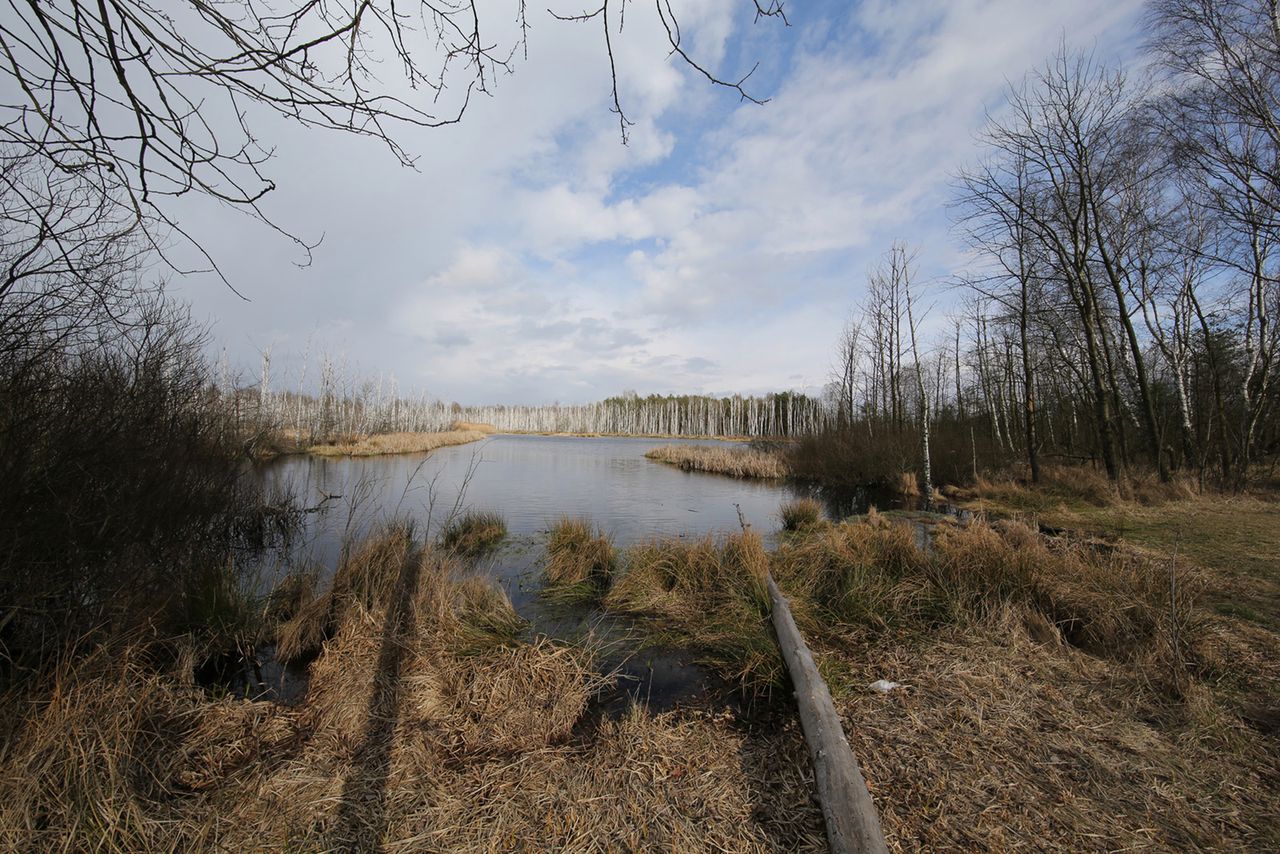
(532, 258)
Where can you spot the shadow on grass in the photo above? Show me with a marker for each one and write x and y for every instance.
(362, 812)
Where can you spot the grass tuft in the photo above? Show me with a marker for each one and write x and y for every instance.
(580, 560)
(474, 532)
(801, 514)
(708, 596)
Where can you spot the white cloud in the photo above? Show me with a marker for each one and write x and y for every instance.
(533, 257)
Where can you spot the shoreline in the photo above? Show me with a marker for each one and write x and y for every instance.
(388, 444)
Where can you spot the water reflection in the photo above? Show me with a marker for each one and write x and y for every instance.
(530, 480)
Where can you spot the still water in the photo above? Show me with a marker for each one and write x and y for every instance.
(531, 481)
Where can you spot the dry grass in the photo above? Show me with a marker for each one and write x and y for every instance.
(1005, 742)
(580, 560)
(1110, 602)
(708, 596)
(717, 459)
(1056, 698)
(801, 514)
(474, 532)
(365, 578)
(1074, 486)
(397, 443)
(477, 426)
(410, 738)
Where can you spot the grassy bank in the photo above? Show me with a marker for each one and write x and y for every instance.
(1054, 688)
(735, 462)
(400, 443)
(1057, 691)
(428, 723)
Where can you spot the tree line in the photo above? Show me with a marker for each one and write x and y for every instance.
(1122, 303)
(342, 408)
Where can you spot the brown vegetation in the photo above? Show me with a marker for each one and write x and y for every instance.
(474, 532)
(708, 596)
(718, 459)
(801, 514)
(1063, 686)
(398, 443)
(580, 560)
(1053, 690)
(412, 736)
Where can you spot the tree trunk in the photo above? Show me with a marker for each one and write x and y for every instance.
(853, 826)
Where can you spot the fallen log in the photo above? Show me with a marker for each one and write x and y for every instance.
(853, 826)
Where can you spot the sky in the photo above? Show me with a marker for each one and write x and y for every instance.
(530, 257)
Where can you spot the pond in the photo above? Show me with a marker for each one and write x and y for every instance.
(531, 481)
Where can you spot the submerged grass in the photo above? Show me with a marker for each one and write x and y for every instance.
(718, 459)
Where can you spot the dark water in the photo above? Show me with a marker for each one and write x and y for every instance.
(531, 481)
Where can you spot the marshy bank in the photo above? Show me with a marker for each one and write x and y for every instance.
(429, 722)
(1050, 690)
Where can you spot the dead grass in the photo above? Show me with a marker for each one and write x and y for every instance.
(474, 532)
(874, 573)
(1002, 742)
(580, 561)
(707, 595)
(397, 443)
(716, 459)
(410, 738)
(1056, 698)
(365, 578)
(1074, 486)
(801, 514)
(477, 426)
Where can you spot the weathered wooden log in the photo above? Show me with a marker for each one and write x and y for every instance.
(853, 826)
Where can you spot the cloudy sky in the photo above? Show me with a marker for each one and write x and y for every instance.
(531, 257)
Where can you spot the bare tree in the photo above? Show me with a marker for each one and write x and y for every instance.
(1221, 119)
(147, 100)
(900, 270)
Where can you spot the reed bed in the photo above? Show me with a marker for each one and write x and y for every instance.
(474, 532)
(734, 462)
(397, 443)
